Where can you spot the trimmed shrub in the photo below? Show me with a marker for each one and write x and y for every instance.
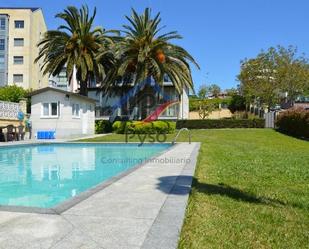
(237, 103)
(195, 103)
(139, 127)
(103, 126)
(220, 123)
(294, 122)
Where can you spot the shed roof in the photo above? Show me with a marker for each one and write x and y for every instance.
(45, 89)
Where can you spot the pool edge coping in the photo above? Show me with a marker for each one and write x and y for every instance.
(67, 204)
(162, 229)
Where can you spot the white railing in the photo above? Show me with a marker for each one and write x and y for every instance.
(9, 110)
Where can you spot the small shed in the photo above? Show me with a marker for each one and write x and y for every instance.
(67, 114)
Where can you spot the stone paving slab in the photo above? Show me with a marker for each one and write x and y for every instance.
(144, 209)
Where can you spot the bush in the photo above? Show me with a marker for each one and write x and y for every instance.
(237, 103)
(140, 127)
(294, 122)
(194, 103)
(103, 126)
(12, 93)
(220, 123)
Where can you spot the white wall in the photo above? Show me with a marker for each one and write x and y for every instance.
(184, 105)
(65, 125)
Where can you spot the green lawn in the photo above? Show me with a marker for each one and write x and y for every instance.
(251, 190)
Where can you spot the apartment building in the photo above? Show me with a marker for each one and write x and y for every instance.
(20, 31)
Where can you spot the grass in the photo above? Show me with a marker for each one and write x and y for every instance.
(251, 190)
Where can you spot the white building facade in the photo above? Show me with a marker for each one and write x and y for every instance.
(66, 113)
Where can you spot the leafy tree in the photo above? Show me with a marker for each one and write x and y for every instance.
(202, 92)
(214, 90)
(12, 93)
(77, 44)
(292, 72)
(267, 77)
(237, 103)
(231, 92)
(205, 109)
(145, 53)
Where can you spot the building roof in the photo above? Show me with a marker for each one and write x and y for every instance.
(21, 8)
(45, 89)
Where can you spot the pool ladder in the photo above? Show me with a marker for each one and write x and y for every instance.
(178, 133)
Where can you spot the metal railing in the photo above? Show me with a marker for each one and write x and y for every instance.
(178, 133)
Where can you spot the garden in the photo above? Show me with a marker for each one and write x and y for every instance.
(250, 189)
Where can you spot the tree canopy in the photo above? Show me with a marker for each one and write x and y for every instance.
(77, 44)
(142, 53)
(13, 93)
(273, 74)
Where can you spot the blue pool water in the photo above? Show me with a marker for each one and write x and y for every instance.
(46, 175)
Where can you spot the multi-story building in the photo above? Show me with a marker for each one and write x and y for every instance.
(128, 101)
(20, 31)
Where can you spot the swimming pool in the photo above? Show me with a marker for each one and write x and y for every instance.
(45, 175)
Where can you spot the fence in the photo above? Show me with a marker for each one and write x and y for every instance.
(10, 110)
(270, 119)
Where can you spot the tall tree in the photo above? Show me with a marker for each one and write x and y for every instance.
(202, 92)
(272, 73)
(292, 72)
(145, 53)
(76, 44)
(214, 90)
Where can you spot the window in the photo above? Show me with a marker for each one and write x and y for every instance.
(18, 78)
(75, 110)
(18, 60)
(50, 109)
(45, 109)
(54, 109)
(18, 42)
(1, 61)
(2, 79)
(2, 23)
(2, 44)
(19, 24)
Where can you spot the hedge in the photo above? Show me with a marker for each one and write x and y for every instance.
(194, 104)
(103, 126)
(139, 127)
(220, 123)
(294, 122)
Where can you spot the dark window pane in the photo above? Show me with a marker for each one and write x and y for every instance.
(18, 60)
(18, 78)
(19, 24)
(1, 61)
(54, 109)
(2, 44)
(18, 42)
(2, 23)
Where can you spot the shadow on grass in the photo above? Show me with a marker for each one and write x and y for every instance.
(183, 187)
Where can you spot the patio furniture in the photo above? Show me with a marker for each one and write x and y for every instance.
(46, 134)
(11, 133)
(21, 133)
(2, 137)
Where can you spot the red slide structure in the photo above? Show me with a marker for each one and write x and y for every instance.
(154, 116)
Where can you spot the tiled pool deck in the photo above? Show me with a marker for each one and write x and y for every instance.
(143, 209)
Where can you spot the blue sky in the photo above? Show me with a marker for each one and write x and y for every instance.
(218, 33)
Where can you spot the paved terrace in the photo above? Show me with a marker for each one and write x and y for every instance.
(142, 209)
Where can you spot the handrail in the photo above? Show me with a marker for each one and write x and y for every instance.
(178, 133)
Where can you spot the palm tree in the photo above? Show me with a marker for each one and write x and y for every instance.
(144, 53)
(77, 45)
